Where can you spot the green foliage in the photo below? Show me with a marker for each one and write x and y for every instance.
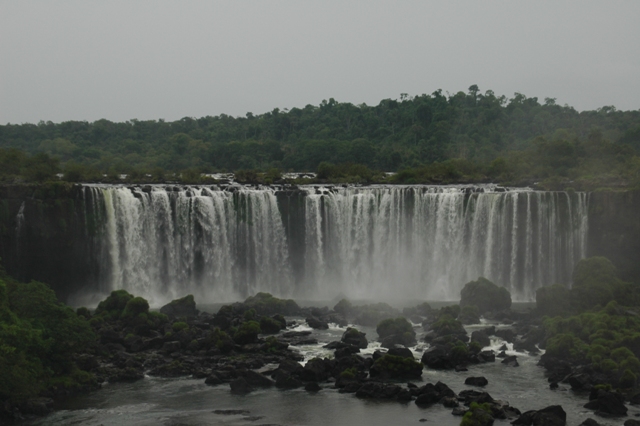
(247, 332)
(38, 338)
(135, 307)
(266, 304)
(114, 305)
(179, 326)
(553, 300)
(485, 295)
(478, 415)
(249, 315)
(446, 325)
(391, 326)
(349, 373)
(437, 138)
(399, 366)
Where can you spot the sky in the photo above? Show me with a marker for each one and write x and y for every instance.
(122, 60)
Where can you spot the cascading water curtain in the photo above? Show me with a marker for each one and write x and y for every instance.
(428, 242)
(217, 245)
(373, 242)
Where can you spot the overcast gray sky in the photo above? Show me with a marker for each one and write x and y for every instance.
(86, 60)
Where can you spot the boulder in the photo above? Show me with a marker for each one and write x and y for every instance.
(591, 422)
(438, 357)
(400, 351)
(184, 307)
(480, 336)
(511, 361)
(355, 338)
(317, 324)
(553, 415)
(240, 386)
(607, 403)
(395, 367)
(256, 379)
(396, 331)
(476, 381)
(377, 390)
(286, 381)
(485, 295)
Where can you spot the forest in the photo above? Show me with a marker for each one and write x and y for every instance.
(436, 138)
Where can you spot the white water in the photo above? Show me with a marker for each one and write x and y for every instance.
(413, 242)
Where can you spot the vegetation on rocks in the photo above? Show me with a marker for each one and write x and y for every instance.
(39, 341)
(485, 295)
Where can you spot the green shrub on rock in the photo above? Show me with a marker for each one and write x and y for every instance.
(266, 304)
(478, 415)
(135, 307)
(247, 333)
(484, 294)
(396, 331)
(396, 367)
(114, 305)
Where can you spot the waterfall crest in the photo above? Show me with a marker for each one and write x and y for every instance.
(365, 242)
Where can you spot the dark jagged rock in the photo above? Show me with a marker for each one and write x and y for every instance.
(553, 415)
(317, 324)
(396, 331)
(511, 361)
(345, 351)
(240, 386)
(606, 403)
(183, 307)
(376, 390)
(632, 422)
(486, 356)
(312, 387)
(506, 334)
(438, 357)
(213, 380)
(255, 379)
(355, 338)
(481, 337)
(591, 422)
(476, 381)
(400, 351)
(316, 370)
(287, 381)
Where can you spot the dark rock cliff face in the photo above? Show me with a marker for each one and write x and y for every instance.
(47, 234)
(51, 233)
(614, 230)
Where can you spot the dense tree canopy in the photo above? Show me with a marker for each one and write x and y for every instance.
(476, 136)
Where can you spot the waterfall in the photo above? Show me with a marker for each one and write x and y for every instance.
(380, 242)
(216, 244)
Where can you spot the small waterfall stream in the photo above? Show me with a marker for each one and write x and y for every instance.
(364, 242)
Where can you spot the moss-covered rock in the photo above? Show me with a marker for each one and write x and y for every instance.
(183, 307)
(484, 294)
(247, 333)
(396, 331)
(113, 306)
(396, 367)
(266, 304)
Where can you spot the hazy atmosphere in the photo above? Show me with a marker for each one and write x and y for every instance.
(74, 60)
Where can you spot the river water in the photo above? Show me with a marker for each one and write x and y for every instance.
(187, 401)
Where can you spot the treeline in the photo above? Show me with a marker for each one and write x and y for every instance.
(430, 138)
